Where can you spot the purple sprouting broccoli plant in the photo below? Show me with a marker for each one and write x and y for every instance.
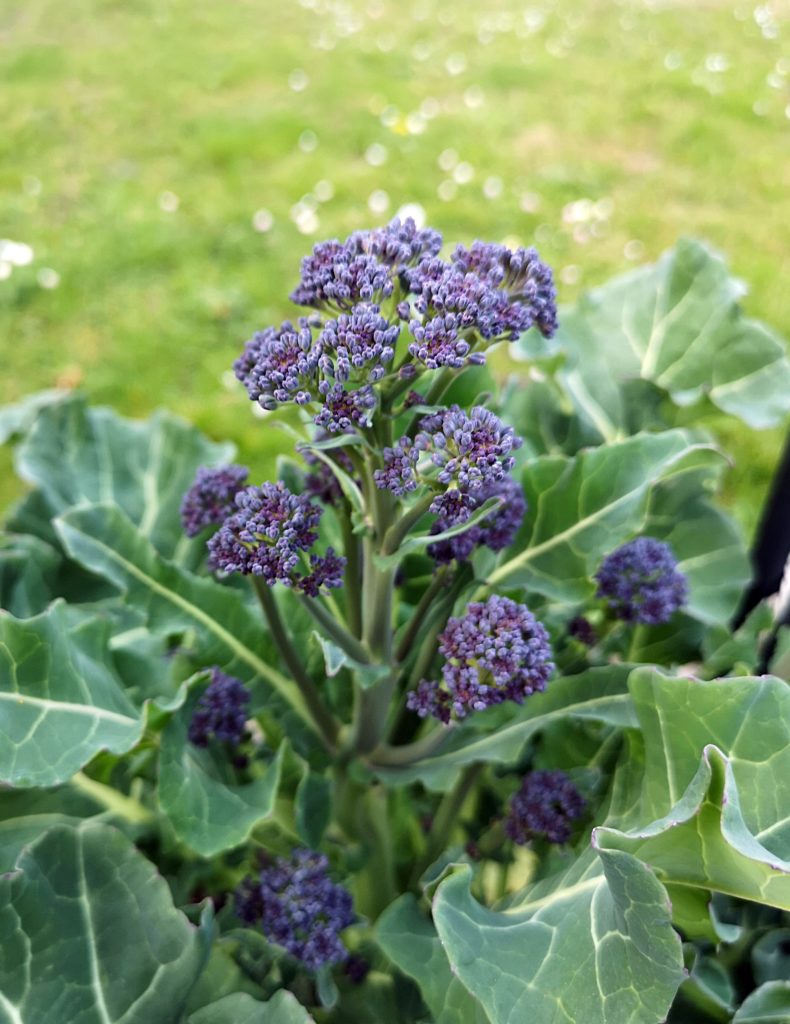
(221, 712)
(298, 906)
(641, 583)
(413, 606)
(546, 806)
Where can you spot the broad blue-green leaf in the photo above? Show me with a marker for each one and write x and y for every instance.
(224, 629)
(76, 454)
(593, 943)
(18, 418)
(678, 325)
(746, 718)
(769, 1004)
(240, 1008)
(90, 935)
(703, 842)
(410, 941)
(60, 699)
(582, 507)
(600, 694)
(26, 814)
(723, 822)
(207, 808)
(28, 567)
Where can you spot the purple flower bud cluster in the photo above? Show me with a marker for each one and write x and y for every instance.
(358, 343)
(470, 450)
(280, 364)
(497, 651)
(268, 534)
(399, 474)
(299, 907)
(210, 499)
(364, 267)
(485, 294)
(641, 583)
(487, 291)
(336, 368)
(582, 629)
(545, 807)
(496, 531)
(221, 711)
(522, 276)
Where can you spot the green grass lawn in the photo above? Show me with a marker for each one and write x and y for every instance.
(141, 137)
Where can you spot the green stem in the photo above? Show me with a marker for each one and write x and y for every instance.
(637, 641)
(445, 818)
(385, 756)
(418, 615)
(377, 612)
(125, 807)
(397, 532)
(352, 580)
(322, 718)
(348, 643)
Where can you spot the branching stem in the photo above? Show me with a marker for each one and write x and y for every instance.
(322, 717)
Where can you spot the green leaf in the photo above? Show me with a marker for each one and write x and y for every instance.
(769, 1004)
(678, 325)
(770, 956)
(18, 418)
(600, 694)
(410, 941)
(224, 628)
(582, 507)
(60, 699)
(722, 823)
(746, 718)
(28, 567)
(26, 814)
(90, 934)
(76, 454)
(704, 843)
(240, 1008)
(593, 945)
(312, 807)
(208, 810)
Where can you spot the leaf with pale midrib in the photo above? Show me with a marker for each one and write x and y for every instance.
(582, 507)
(409, 939)
(209, 813)
(240, 1008)
(599, 695)
(712, 812)
(91, 936)
(60, 699)
(76, 454)
(225, 630)
(678, 325)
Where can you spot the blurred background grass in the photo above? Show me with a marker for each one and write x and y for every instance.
(169, 161)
